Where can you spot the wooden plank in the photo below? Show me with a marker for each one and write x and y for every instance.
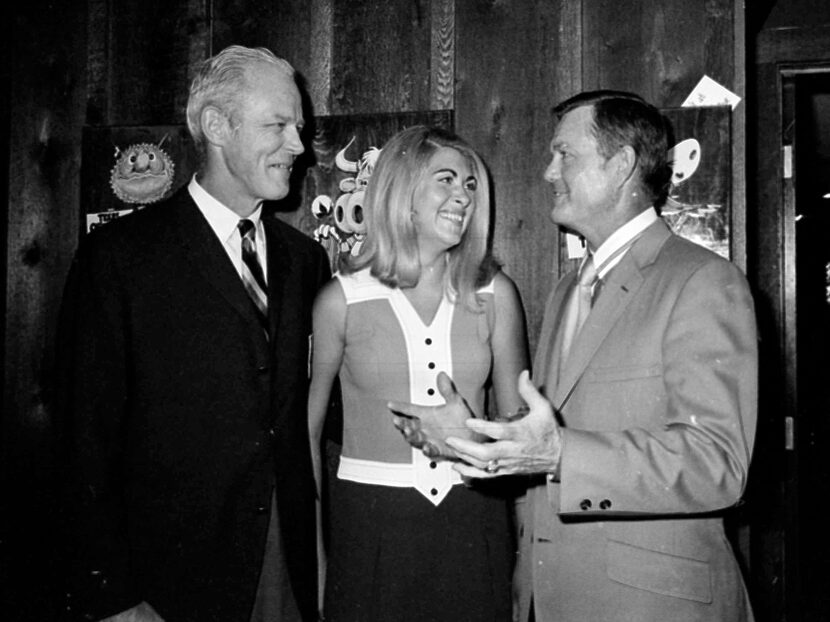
(442, 59)
(318, 66)
(381, 55)
(739, 169)
(45, 124)
(651, 47)
(794, 45)
(794, 14)
(514, 61)
(296, 30)
(718, 42)
(98, 61)
(152, 44)
(283, 27)
(47, 101)
(740, 529)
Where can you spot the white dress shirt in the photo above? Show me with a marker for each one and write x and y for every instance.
(224, 223)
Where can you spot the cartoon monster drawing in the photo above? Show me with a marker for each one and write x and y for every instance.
(697, 221)
(143, 173)
(344, 224)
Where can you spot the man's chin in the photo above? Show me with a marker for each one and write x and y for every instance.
(276, 192)
(558, 216)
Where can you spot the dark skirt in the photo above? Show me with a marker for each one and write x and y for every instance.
(394, 556)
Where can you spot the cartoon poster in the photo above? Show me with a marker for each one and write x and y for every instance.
(345, 149)
(125, 168)
(699, 204)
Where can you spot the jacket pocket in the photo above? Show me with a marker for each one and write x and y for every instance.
(618, 374)
(661, 573)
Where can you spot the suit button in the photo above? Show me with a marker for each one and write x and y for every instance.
(272, 432)
(585, 504)
(430, 391)
(604, 504)
(433, 464)
(262, 510)
(262, 369)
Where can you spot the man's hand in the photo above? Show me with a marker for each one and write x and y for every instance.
(530, 445)
(427, 427)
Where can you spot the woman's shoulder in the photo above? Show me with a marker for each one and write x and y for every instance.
(500, 285)
(361, 285)
(505, 292)
(330, 299)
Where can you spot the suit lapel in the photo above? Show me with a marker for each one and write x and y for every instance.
(209, 258)
(546, 362)
(618, 291)
(279, 266)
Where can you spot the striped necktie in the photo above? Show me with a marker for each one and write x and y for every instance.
(588, 288)
(583, 300)
(252, 276)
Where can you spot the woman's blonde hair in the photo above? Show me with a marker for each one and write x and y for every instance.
(390, 249)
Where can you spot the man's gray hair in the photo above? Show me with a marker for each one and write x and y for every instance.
(221, 81)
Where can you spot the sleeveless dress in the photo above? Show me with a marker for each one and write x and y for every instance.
(409, 541)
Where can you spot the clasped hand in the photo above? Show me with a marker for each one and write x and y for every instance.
(428, 427)
(532, 444)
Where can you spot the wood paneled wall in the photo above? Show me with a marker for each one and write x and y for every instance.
(499, 64)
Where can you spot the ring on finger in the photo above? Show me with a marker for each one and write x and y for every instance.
(492, 466)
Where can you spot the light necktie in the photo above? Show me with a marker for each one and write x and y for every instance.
(252, 276)
(583, 299)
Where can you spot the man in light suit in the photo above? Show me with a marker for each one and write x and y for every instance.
(641, 432)
(184, 360)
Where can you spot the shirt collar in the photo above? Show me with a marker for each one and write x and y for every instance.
(221, 218)
(605, 257)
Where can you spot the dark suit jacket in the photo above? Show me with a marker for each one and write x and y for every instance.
(182, 417)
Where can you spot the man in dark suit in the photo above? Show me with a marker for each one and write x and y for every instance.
(184, 360)
(648, 357)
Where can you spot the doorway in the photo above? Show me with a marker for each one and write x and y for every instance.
(806, 205)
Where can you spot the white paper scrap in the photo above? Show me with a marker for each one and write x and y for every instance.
(575, 245)
(710, 93)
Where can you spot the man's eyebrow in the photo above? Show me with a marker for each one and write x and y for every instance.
(284, 119)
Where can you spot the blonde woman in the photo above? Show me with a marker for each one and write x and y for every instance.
(408, 540)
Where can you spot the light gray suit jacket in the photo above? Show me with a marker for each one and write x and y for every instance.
(658, 398)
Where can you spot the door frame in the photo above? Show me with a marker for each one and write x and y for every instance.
(780, 55)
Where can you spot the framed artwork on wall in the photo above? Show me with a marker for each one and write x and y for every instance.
(344, 150)
(124, 168)
(699, 206)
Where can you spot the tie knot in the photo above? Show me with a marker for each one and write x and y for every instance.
(246, 228)
(587, 271)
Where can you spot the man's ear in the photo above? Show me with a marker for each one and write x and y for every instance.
(626, 163)
(215, 125)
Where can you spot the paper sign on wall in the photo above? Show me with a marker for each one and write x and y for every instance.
(710, 93)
